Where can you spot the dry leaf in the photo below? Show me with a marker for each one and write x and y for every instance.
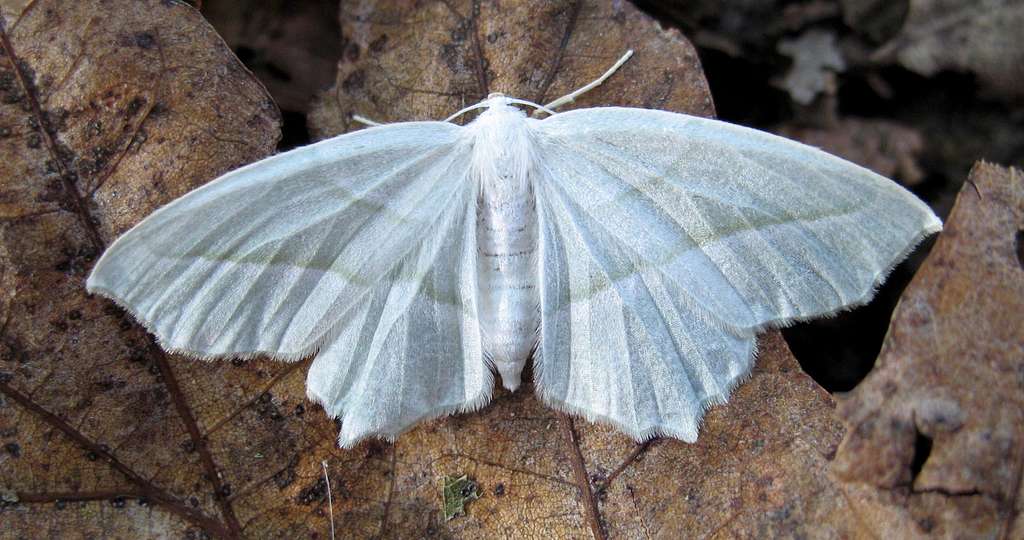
(878, 20)
(935, 441)
(888, 148)
(104, 435)
(421, 63)
(977, 37)
(107, 110)
(11, 9)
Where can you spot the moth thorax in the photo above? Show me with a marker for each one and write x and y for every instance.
(503, 154)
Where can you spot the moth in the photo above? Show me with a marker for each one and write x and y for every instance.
(634, 254)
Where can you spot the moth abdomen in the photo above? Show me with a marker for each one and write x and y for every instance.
(507, 264)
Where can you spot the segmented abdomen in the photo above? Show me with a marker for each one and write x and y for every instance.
(507, 258)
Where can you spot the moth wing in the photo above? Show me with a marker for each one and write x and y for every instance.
(668, 241)
(360, 248)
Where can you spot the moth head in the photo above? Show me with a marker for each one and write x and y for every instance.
(498, 102)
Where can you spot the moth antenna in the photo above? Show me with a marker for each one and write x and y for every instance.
(569, 98)
(330, 501)
(465, 110)
(486, 103)
(364, 120)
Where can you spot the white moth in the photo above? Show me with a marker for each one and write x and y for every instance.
(636, 253)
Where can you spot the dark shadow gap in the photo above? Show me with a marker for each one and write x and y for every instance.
(922, 450)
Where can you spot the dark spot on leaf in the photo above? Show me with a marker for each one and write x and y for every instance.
(117, 502)
(5, 132)
(34, 141)
(93, 128)
(74, 315)
(135, 105)
(91, 456)
(109, 384)
(285, 477)
(56, 119)
(60, 504)
(11, 98)
(144, 40)
(374, 448)
(458, 34)
(224, 492)
(266, 408)
(194, 502)
(830, 452)
(16, 352)
(188, 446)
(782, 514)
(354, 81)
(316, 492)
(451, 56)
(926, 523)
(377, 45)
(8, 82)
(299, 410)
(352, 52)
(493, 37)
(143, 502)
(237, 362)
(499, 489)
(13, 448)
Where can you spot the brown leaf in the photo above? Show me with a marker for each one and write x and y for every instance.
(888, 148)
(105, 435)
(935, 442)
(878, 20)
(403, 63)
(977, 37)
(107, 110)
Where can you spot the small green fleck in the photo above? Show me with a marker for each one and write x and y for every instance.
(8, 496)
(456, 493)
